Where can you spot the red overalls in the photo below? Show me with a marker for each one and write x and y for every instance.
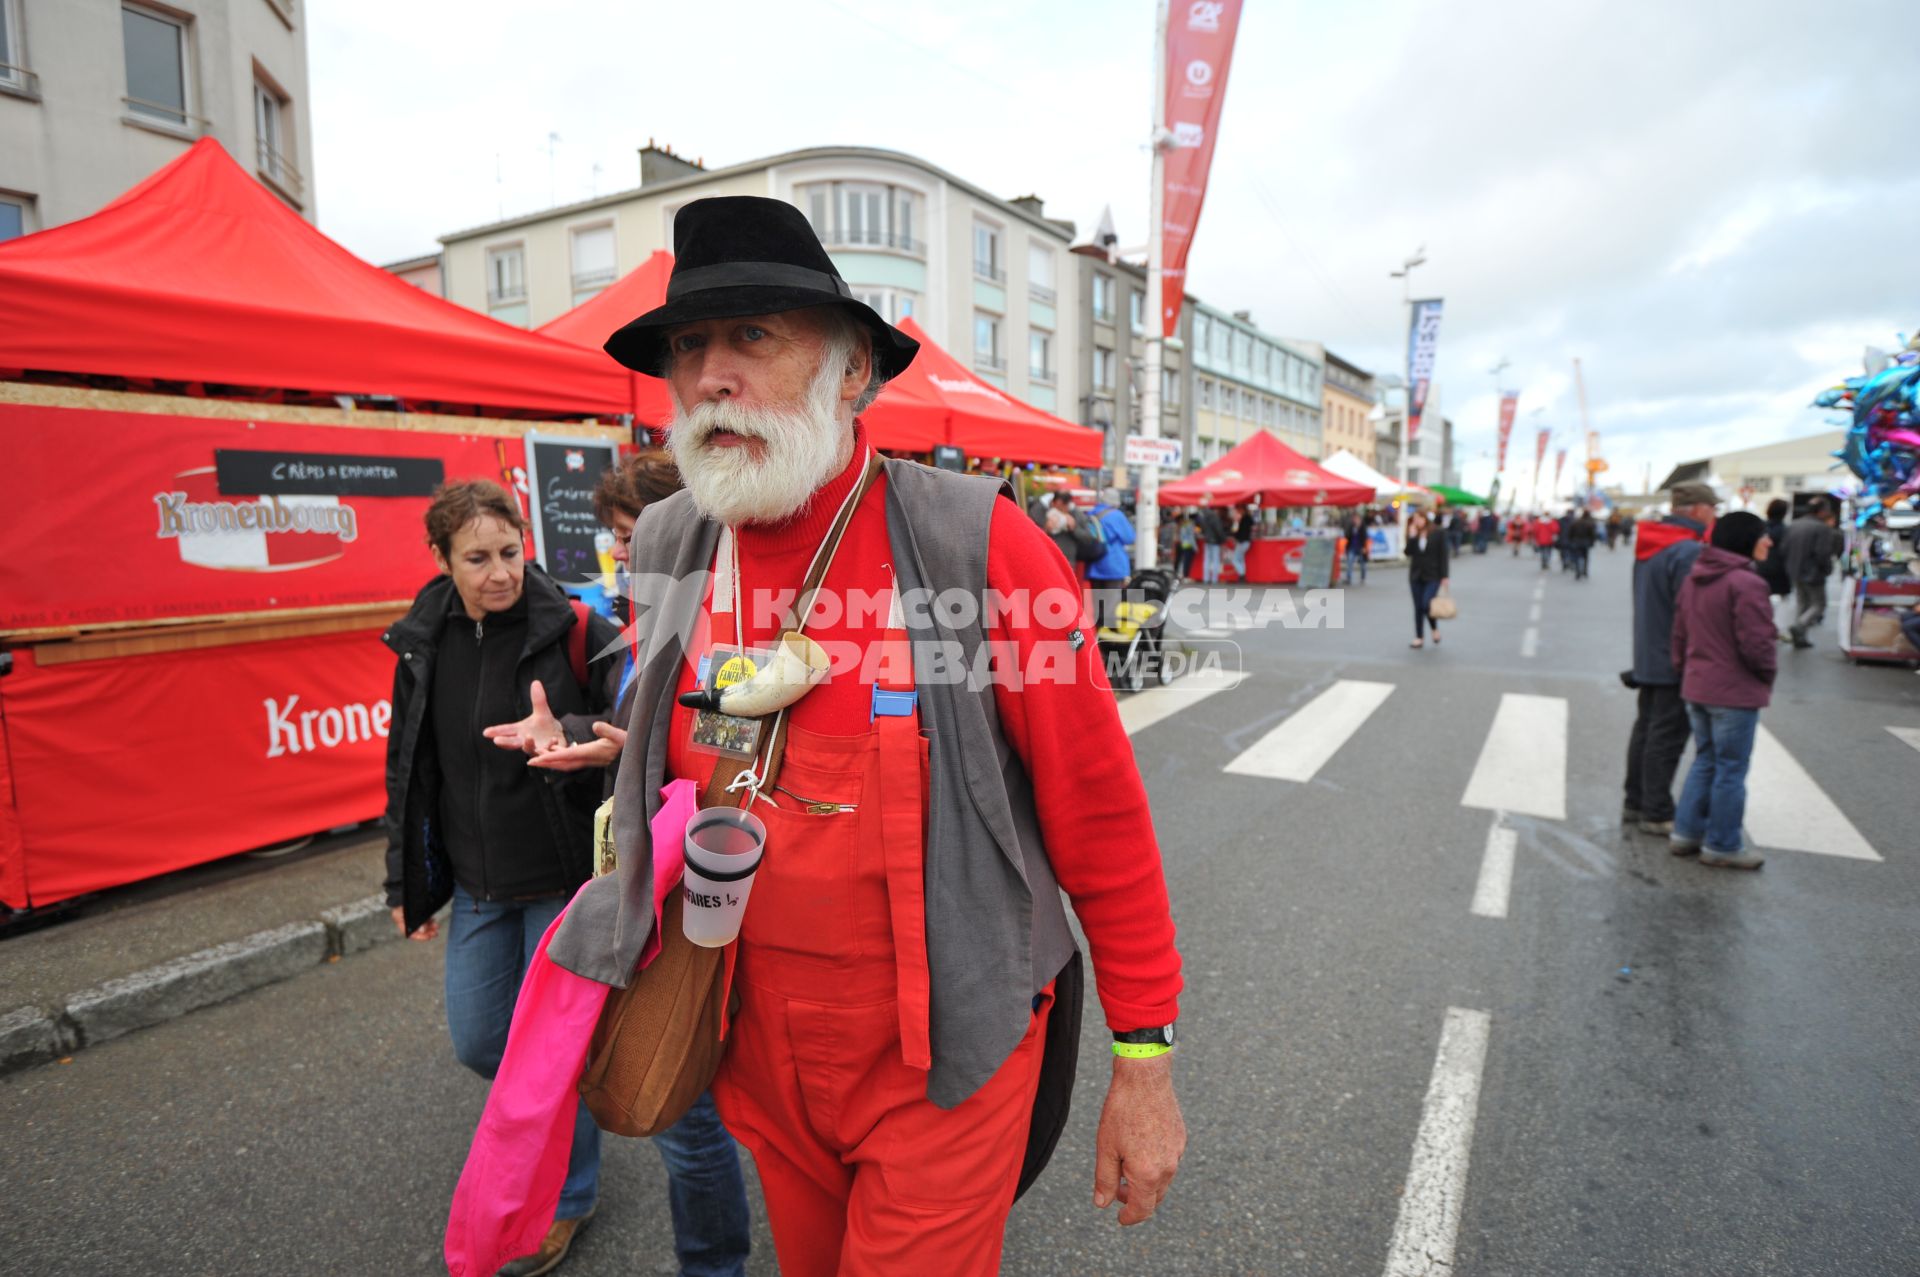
(824, 1078)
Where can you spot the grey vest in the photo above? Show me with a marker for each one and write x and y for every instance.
(996, 930)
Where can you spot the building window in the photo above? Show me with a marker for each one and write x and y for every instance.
(1169, 388)
(272, 112)
(1040, 284)
(507, 284)
(1103, 297)
(1202, 334)
(986, 342)
(13, 53)
(1137, 311)
(1206, 392)
(13, 216)
(156, 51)
(1039, 355)
(891, 304)
(1229, 401)
(1102, 369)
(862, 215)
(987, 260)
(592, 254)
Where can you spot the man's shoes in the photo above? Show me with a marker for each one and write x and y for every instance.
(1799, 637)
(1683, 846)
(559, 1241)
(1731, 860)
(1656, 826)
(1630, 816)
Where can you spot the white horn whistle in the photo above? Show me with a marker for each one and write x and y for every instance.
(797, 666)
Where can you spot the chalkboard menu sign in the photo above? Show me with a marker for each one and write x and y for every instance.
(561, 476)
(249, 472)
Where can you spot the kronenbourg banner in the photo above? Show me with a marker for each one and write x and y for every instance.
(1422, 337)
(1559, 463)
(1199, 48)
(1509, 402)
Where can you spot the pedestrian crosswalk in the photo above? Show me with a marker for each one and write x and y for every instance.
(1521, 767)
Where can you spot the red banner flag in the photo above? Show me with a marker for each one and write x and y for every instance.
(1509, 402)
(1559, 463)
(1540, 452)
(1199, 47)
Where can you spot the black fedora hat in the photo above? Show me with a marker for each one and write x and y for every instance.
(748, 255)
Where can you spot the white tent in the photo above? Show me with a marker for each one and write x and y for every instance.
(1348, 466)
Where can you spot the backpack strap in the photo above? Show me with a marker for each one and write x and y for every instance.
(577, 642)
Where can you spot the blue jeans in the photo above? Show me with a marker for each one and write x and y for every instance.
(1423, 592)
(1209, 563)
(489, 944)
(1713, 802)
(1356, 557)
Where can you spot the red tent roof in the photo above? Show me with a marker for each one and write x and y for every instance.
(1264, 467)
(938, 400)
(200, 274)
(594, 320)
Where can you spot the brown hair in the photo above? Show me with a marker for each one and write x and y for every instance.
(459, 503)
(634, 484)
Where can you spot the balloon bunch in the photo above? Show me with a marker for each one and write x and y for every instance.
(1883, 439)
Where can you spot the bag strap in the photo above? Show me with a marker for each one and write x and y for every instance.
(577, 642)
(719, 791)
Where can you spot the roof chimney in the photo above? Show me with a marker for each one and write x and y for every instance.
(1030, 204)
(659, 164)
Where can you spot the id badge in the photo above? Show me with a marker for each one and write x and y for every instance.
(727, 735)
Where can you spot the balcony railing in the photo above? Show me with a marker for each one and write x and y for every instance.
(837, 237)
(991, 362)
(1041, 293)
(17, 79)
(279, 170)
(507, 296)
(163, 114)
(988, 271)
(1041, 374)
(594, 279)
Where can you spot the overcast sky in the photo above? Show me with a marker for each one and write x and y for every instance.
(1712, 205)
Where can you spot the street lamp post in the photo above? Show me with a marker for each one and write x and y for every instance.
(1405, 276)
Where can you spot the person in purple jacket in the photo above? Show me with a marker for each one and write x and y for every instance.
(1723, 648)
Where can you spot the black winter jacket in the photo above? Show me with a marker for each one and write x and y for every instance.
(1428, 562)
(419, 874)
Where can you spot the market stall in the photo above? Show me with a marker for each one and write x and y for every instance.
(209, 528)
(1266, 471)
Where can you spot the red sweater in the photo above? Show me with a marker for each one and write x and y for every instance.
(1091, 803)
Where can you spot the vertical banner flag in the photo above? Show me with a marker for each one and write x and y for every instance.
(1422, 337)
(1199, 47)
(1540, 452)
(1559, 463)
(1509, 402)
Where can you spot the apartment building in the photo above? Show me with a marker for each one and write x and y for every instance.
(1246, 380)
(1346, 398)
(1112, 301)
(984, 276)
(97, 94)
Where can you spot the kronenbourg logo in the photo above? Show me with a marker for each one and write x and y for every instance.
(1224, 476)
(1199, 73)
(959, 385)
(1204, 15)
(1300, 478)
(1188, 136)
(576, 460)
(260, 534)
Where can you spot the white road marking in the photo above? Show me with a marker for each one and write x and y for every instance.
(1312, 734)
(1207, 634)
(1533, 613)
(1530, 641)
(1911, 735)
(1430, 1208)
(1787, 811)
(1523, 765)
(1143, 709)
(1496, 870)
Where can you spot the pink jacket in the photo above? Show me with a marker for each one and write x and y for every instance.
(510, 1186)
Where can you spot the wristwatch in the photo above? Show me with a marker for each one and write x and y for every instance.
(1143, 1044)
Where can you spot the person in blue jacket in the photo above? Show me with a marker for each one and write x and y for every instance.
(1108, 573)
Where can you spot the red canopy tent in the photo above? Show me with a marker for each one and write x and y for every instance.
(1264, 467)
(199, 274)
(938, 400)
(594, 320)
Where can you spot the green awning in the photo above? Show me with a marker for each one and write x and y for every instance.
(1456, 496)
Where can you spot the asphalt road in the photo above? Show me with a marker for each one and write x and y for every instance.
(1651, 1067)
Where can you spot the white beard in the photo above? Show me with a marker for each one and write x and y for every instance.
(803, 447)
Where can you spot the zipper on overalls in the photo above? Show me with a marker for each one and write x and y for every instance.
(815, 808)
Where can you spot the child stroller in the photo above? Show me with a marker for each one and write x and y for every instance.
(1133, 643)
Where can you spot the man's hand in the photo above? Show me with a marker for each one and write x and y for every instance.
(595, 753)
(425, 931)
(1141, 1139)
(537, 733)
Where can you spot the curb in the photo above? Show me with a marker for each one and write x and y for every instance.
(35, 1035)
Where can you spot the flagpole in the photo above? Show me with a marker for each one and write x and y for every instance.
(1146, 545)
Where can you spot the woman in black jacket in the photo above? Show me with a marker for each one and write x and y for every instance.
(491, 640)
(1426, 572)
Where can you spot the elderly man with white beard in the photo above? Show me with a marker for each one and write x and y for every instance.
(909, 991)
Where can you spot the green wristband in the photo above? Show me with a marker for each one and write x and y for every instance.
(1141, 1050)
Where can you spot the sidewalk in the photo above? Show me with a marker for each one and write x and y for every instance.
(72, 984)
